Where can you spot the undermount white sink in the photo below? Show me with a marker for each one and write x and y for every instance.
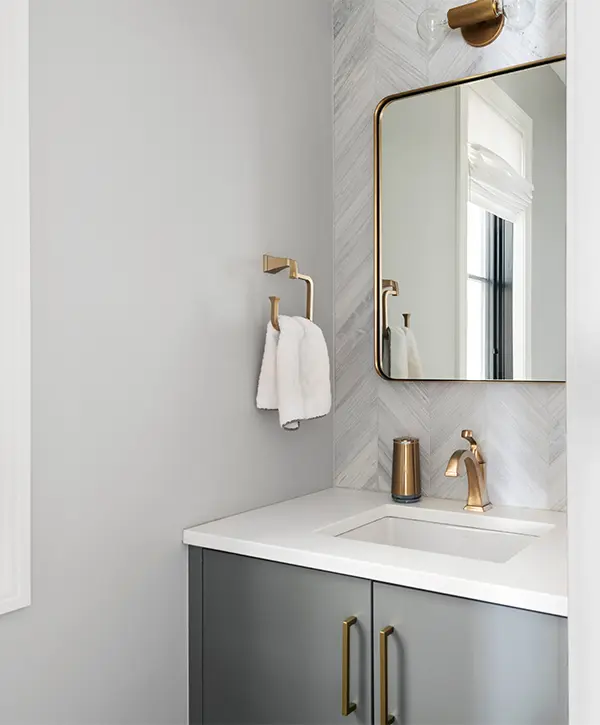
(472, 536)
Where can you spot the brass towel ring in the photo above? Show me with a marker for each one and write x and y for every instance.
(273, 265)
(275, 312)
(391, 287)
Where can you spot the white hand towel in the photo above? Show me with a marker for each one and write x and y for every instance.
(290, 401)
(415, 367)
(398, 352)
(266, 396)
(294, 376)
(314, 371)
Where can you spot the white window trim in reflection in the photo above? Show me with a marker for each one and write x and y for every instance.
(15, 326)
(509, 112)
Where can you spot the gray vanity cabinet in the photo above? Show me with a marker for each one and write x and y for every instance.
(461, 662)
(266, 648)
(272, 643)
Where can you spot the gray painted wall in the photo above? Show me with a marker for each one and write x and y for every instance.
(419, 210)
(173, 142)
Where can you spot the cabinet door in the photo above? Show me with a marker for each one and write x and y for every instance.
(460, 662)
(272, 643)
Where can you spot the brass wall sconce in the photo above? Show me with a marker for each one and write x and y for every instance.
(274, 265)
(480, 22)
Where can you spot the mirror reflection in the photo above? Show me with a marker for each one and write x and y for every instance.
(471, 238)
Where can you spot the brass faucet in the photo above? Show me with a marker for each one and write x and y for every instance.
(477, 498)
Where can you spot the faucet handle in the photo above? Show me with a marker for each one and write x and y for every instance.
(468, 436)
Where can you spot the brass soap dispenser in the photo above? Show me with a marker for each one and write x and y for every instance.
(406, 471)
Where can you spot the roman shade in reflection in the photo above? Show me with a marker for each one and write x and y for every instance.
(495, 185)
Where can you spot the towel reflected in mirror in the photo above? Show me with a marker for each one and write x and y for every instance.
(401, 354)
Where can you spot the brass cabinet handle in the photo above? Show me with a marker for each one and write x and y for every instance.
(347, 706)
(384, 718)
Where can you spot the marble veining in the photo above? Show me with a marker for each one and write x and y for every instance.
(521, 426)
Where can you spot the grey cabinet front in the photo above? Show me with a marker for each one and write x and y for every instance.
(272, 639)
(460, 662)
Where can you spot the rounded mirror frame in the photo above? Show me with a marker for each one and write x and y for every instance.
(377, 216)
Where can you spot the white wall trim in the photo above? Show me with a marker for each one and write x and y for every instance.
(15, 309)
(583, 360)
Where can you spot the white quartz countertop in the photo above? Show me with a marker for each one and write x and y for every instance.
(290, 532)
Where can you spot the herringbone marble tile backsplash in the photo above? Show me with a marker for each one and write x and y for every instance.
(521, 426)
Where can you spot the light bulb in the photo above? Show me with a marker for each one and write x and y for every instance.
(432, 26)
(519, 13)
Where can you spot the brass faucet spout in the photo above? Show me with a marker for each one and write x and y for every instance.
(477, 498)
(453, 467)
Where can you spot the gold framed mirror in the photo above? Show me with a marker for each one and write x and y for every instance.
(470, 228)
